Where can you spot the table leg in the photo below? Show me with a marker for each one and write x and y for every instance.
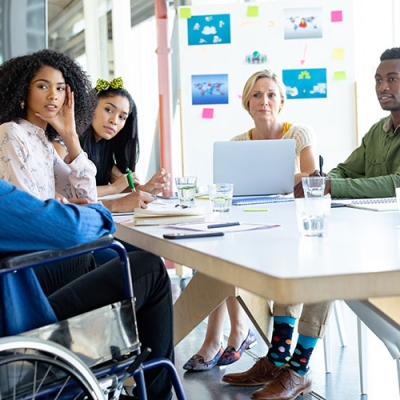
(203, 294)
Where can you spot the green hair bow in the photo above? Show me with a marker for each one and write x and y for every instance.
(116, 83)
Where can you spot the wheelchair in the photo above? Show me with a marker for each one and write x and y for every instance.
(89, 356)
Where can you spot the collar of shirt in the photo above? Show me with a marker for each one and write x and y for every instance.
(31, 128)
(388, 126)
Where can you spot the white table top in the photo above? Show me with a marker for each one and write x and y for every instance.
(359, 258)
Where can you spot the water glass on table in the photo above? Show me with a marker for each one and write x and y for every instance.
(220, 196)
(312, 215)
(186, 186)
(314, 186)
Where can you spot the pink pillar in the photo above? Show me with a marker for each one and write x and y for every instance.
(164, 90)
(164, 84)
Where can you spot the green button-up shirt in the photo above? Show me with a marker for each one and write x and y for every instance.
(373, 169)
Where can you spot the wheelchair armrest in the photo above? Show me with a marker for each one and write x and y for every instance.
(46, 256)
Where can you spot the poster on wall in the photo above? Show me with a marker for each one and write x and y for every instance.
(209, 29)
(303, 23)
(305, 83)
(210, 89)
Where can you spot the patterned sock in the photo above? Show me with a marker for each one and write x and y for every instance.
(302, 353)
(279, 352)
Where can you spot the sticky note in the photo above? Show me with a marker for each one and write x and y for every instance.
(185, 12)
(252, 11)
(338, 53)
(339, 75)
(207, 113)
(336, 16)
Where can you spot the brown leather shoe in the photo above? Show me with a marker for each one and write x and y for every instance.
(288, 385)
(260, 373)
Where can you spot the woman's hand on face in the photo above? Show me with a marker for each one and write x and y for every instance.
(64, 121)
(159, 182)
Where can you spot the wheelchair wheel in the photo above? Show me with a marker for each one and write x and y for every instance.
(32, 368)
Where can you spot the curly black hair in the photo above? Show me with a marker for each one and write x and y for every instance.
(124, 147)
(17, 73)
(391, 54)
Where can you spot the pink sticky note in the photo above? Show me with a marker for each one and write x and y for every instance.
(207, 113)
(337, 16)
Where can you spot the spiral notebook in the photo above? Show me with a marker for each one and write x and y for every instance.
(249, 200)
(382, 204)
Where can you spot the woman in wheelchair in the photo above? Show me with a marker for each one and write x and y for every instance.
(30, 224)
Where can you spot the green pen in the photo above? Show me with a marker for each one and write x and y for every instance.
(130, 180)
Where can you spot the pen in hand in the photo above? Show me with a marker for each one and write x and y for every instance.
(321, 163)
(130, 180)
(225, 225)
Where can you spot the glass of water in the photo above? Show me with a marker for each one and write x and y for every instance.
(220, 196)
(314, 186)
(312, 215)
(186, 186)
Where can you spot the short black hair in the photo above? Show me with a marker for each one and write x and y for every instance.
(391, 54)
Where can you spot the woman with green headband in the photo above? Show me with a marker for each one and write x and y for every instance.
(112, 144)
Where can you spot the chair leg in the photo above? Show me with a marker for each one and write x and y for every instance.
(327, 351)
(339, 322)
(362, 355)
(398, 372)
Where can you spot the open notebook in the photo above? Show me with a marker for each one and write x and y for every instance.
(167, 214)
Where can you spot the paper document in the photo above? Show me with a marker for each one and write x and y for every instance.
(203, 227)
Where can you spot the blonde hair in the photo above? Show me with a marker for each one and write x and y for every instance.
(249, 86)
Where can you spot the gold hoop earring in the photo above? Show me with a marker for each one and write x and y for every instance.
(22, 105)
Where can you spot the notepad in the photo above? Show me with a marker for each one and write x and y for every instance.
(168, 214)
(382, 204)
(249, 200)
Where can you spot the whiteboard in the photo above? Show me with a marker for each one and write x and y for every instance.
(264, 35)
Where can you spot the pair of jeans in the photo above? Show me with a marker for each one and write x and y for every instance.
(104, 285)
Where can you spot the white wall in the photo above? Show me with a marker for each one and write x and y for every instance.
(333, 117)
(372, 35)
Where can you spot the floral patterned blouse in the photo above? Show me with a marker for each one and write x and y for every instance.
(28, 160)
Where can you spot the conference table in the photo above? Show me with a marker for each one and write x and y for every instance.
(358, 259)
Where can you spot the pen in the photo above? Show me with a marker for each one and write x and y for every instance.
(321, 163)
(130, 180)
(223, 225)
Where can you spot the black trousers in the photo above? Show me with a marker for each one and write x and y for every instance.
(96, 287)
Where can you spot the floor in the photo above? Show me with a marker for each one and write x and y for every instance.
(341, 384)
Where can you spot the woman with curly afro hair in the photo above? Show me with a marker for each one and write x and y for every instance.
(46, 94)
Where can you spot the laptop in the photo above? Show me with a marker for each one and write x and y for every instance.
(255, 167)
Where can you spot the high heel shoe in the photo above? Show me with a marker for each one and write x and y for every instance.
(231, 355)
(197, 363)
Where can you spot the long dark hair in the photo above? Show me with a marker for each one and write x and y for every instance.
(17, 73)
(123, 147)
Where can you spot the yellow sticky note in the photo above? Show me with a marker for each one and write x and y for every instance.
(252, 11)
(339, 75)
(185, 12)
(338, 53)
